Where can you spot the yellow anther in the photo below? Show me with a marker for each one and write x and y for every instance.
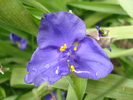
(72, 68)
(63, 48)
(75, 48)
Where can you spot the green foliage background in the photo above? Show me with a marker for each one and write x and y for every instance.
(22, 17)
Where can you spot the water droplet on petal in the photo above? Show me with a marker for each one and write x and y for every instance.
(96, 74)
(57, 70)
(34, 69)
(46, 66)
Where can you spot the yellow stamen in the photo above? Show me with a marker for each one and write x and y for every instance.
(75, 48)
(63, 48)
(72, 68)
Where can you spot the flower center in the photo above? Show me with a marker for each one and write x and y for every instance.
(63, 48)
(66, 50)
(68, 54)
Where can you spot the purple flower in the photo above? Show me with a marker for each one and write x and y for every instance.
(63, 47)
(50, 96)
(53, 95)
(22, 43)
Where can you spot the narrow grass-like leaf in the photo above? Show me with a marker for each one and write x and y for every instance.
(122, 32)
(14, 30)
(54, 5)
(17, 60)
(99, 7)
(13, 97)
(71, 90)
(127, 5)
(36, 4)
(17, 78)
(71, 95)
(2, 93)
(36, 12)
(109, 1)
(62, 83)
(79, 86)
(12, 51)
(128, 66)
(94, 18)
(119, 52)
(112, 86)
(27, 96)
(14, 14)
(92, 97)
(60, 94)
(4, 77)
(35, 94)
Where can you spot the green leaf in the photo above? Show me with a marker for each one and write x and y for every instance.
(112, 86)
(2, 93)
(6, 76)
(119, 52)
(99, 7)
(14, 30)
(10, 97)
(41, 90)
(71, 95)
(17, 78)
(122, 32)
(127, 5)
(92, 97)
(109, 1)
(94, 18)
(71, 90)
(36, 93)
(17, 60)
(54, 5)
(14, 14)
(12, 51)
(36, 4)
(27, 96)
(59, 94)
(36, 13)
(128, 66)
(79, 85)
(62, 84)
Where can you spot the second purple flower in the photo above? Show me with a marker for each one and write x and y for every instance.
(22, 43)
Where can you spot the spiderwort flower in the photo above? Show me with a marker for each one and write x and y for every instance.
(53, 95)
(22, 43)
(56, 55)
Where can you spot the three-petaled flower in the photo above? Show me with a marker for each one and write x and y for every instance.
(63, 47)
(22, 43)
